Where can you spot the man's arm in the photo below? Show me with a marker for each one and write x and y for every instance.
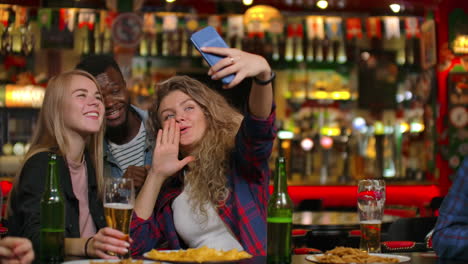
(450, 238)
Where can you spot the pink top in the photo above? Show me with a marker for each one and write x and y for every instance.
(79, 179)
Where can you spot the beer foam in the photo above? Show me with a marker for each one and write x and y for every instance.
(371, 222)
(118, 206)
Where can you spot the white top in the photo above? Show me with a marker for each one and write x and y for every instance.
(196, 232)
(131, 153)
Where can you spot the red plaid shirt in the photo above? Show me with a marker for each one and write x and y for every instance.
(450, 238)
(245, 209)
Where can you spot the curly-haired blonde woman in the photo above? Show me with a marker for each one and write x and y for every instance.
(208, 184)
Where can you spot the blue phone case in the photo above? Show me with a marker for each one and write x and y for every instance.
(209, 37)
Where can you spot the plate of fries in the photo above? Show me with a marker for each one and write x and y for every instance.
(344, 255)
(197, 255)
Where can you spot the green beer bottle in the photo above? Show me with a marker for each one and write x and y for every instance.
(280, 210)
(52, 217)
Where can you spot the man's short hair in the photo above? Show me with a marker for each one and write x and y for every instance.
(97, 64)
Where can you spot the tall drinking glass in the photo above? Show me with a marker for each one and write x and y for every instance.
(119, 199)
(370, 203)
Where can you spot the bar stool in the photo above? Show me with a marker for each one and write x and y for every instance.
(409, 235)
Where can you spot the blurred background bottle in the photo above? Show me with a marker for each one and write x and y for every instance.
(52, 217)
(280, 210)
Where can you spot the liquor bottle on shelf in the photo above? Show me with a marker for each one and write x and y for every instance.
(330, 51)
(276, 47)
(280, 210)
(3, 29)
(318, 50)
(154, 44)
(343, 142)
(165, 43)
(341, 54)
(289, 51)
(299, 50)
(85, 42)
(143, 48)
(52, 231)
(16, 32)
(401, 53)
(97, 41)
(238, 42)
(409, 51)
(27, 41)
(4, 39)
(389, 170)
(184, 44)
(398, 139)
(175, 47)
(310, 50)
(107, 42)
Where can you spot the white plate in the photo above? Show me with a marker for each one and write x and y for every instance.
(88, 261)
(401, 259)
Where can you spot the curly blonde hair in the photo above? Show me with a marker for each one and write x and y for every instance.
(207, 174)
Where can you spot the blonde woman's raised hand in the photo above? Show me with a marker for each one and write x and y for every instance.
(16, 250)
(238, 62)
(108, 240)
(166, 152)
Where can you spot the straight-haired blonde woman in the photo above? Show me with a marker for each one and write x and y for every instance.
(70, 124)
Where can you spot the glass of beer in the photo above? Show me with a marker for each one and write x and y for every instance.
(119, 199)
(370, 203)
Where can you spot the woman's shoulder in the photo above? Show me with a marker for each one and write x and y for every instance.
(41, 158)
(34, 170)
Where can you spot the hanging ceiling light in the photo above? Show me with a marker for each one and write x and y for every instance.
(322, 4)
(247, 2)
(170, 1)
(395, 8)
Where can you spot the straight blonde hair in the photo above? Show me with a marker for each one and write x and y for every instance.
(49, 133)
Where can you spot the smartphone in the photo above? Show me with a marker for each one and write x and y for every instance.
(209, 37)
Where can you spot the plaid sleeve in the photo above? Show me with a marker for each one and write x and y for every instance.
(450, 238)
(254, 143)
(144, 233)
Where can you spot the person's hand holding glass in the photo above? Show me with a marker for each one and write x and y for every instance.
(119, 199)
(370, 202)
